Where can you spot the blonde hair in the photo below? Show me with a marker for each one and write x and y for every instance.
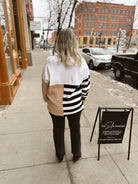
(67, 47)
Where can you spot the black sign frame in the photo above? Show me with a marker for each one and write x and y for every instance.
(114, 131)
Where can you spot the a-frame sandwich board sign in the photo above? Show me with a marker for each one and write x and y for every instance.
(112, 125)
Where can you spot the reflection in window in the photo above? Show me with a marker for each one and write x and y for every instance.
(93, 24)
(114, 25)
(97, 41)
(89, 24)
(85, 24)
(103, 40)
(102, 18)
(90, 9)
(119, 11)
(17, 28)
(89, 32)
(110, 25)
(85, 32)
(104, 32)
(12, 34)
(85, 40)
(91, 40)
(109, 41)
(106, 17)
(106, 10)
(4, 27)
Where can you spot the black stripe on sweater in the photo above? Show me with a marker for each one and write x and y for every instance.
(70, 86)
(71, 92)
(72, 104)
(86, 80)
(85, 86)
(72, 110)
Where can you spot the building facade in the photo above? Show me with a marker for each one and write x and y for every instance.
(13, 53)
(97, 24)
(10, 72)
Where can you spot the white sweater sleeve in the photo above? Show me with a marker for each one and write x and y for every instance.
(85, 83)
(45, 73)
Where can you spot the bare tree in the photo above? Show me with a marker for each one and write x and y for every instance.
(132, 21)
(51, 21)
(63, 13)
(71, 15)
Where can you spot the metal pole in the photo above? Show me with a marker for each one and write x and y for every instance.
(129, 145)
(94, 125)
(99, 135)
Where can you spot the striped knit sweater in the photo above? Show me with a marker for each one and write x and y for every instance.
(64, 88)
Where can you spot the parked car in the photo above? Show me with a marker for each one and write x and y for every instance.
(48, 45)
(96, 57)
(41, 43)
(125, 64)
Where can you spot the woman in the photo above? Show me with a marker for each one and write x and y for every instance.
(65, 85)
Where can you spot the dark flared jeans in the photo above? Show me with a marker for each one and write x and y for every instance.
(58, 133)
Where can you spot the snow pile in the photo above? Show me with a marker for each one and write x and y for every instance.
(124, 92)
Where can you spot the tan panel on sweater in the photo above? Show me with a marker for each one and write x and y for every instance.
(55, 99)
(44, 90)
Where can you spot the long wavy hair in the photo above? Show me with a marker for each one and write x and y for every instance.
(67, 48)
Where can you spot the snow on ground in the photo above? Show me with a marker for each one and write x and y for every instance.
(124, 92)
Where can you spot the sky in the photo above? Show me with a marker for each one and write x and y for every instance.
(41, 9)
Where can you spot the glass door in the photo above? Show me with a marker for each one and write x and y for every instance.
(4, 27)
(12, 33)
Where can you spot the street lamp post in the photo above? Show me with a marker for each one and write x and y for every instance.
(100, 34)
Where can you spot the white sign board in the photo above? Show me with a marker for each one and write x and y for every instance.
(35, 25)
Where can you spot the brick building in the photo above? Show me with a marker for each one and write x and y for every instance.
(97, 24)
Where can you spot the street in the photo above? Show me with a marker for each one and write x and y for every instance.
(127, 79)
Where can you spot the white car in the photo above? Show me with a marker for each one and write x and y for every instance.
(96, 57)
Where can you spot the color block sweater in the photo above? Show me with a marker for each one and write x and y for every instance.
(64, 88)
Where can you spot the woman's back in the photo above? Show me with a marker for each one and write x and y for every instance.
(65, 91)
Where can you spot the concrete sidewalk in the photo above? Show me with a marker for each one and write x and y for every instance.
(27, 154)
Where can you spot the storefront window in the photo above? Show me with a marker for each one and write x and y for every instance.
(15, 10)
(12, 34)
(85, 40)
(91, 40)
(97, 41)
(5, 34)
